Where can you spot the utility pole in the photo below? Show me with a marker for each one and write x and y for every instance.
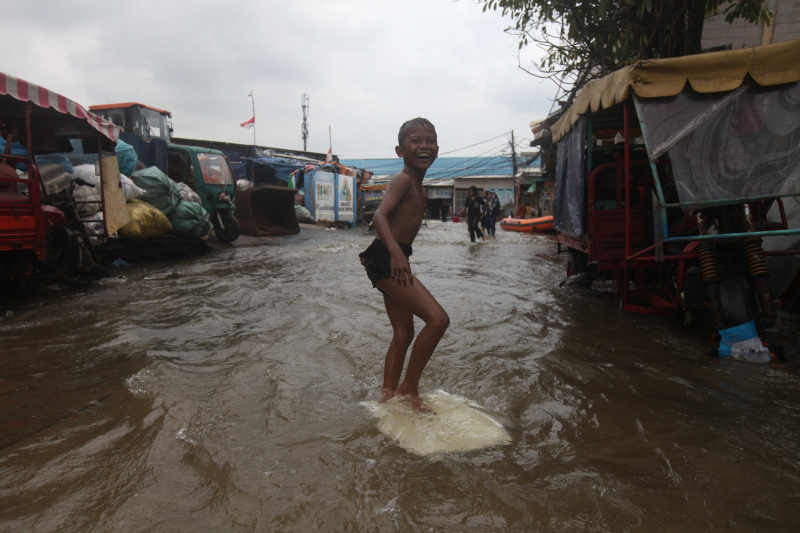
(513, 154)
(517, 187)
(304, 130)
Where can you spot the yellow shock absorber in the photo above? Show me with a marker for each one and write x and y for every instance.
(709, 264)
(757, 263)
(710, 269)
(756, 260)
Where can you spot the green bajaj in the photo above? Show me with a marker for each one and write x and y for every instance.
(208, 172)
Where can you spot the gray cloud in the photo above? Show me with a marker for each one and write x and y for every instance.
(367, 66)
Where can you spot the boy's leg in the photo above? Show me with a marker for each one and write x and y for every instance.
(417, 300)
(402, 334)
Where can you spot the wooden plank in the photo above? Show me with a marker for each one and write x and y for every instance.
(116, 214)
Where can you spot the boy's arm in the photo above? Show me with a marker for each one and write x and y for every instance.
(398, 189)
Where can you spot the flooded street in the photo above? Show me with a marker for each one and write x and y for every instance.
(222, 393)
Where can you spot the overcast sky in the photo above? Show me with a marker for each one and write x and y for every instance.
(367, 66)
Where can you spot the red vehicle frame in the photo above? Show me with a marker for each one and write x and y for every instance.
(668, 251)
(47, 123)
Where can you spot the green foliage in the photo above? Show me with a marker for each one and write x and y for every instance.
(584, 39)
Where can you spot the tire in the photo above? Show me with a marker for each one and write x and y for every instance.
(735, 301)
(577, 263)
(228, 231)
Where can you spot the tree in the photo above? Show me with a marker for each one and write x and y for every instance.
(584, 40)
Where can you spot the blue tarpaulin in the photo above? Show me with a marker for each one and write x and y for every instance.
(271, 170)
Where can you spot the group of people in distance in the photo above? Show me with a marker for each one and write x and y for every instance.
(482, 212)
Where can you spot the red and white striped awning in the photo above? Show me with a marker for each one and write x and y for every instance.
(30, 92)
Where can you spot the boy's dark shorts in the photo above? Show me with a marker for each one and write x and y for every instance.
(378, 261)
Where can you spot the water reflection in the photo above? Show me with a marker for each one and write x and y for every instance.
(222, 393)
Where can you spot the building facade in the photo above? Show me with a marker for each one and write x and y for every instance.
(718, 34)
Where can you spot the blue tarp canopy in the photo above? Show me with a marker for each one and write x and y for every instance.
(271, 170)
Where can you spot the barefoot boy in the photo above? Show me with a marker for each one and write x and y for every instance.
(397, 222)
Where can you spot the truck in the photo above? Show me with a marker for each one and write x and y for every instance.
(671, 174)
(146, 128)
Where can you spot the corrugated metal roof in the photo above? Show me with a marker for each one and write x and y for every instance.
(443, 167)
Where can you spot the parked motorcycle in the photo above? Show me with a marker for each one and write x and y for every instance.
(226, 227)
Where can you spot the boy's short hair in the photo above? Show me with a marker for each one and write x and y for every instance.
(410, 125)
(474, 189)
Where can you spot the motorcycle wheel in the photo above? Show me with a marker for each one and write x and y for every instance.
(735, 301)
(576, 262)
(228, 231)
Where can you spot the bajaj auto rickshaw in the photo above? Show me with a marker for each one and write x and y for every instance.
(208, 172)
(678, 179)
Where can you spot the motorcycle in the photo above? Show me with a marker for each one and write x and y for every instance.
(226, 227)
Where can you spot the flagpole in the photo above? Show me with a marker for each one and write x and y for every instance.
(253, 100)
(329, 157)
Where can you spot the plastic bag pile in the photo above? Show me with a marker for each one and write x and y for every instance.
(183, 212)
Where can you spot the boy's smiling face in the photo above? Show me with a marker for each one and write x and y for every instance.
(419, 149)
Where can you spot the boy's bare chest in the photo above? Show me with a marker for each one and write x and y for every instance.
(415, 200)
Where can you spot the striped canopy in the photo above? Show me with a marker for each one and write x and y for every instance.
(44, 98)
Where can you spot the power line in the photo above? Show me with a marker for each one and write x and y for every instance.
(441, 154)
(458, 168)
(489, 162)
(476, 144)
(492, 152)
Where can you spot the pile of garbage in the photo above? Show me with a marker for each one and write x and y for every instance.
(163, 207)
(156, 204)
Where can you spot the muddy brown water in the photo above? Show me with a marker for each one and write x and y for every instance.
(221, 393)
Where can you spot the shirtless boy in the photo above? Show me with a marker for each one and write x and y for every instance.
(397, 222)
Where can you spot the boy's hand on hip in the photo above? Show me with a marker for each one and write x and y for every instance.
(401, 273)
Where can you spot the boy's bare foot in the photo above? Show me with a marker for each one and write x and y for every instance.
(415, 402)
(386, 395)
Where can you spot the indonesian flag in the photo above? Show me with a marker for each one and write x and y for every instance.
(249, 123)
(329, 157)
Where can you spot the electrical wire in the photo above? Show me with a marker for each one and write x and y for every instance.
(490, 160)
(476, 144)
(441, 154)
(458, 168)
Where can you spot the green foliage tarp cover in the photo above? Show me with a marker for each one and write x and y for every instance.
(160, 191)
(303, 215)
(189, 220)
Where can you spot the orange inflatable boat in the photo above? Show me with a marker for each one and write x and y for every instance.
(528, 225)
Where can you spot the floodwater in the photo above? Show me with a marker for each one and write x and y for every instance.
(222, 393)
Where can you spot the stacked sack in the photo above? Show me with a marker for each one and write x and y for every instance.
(91, 195)
(183, 214)
(89, 200)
